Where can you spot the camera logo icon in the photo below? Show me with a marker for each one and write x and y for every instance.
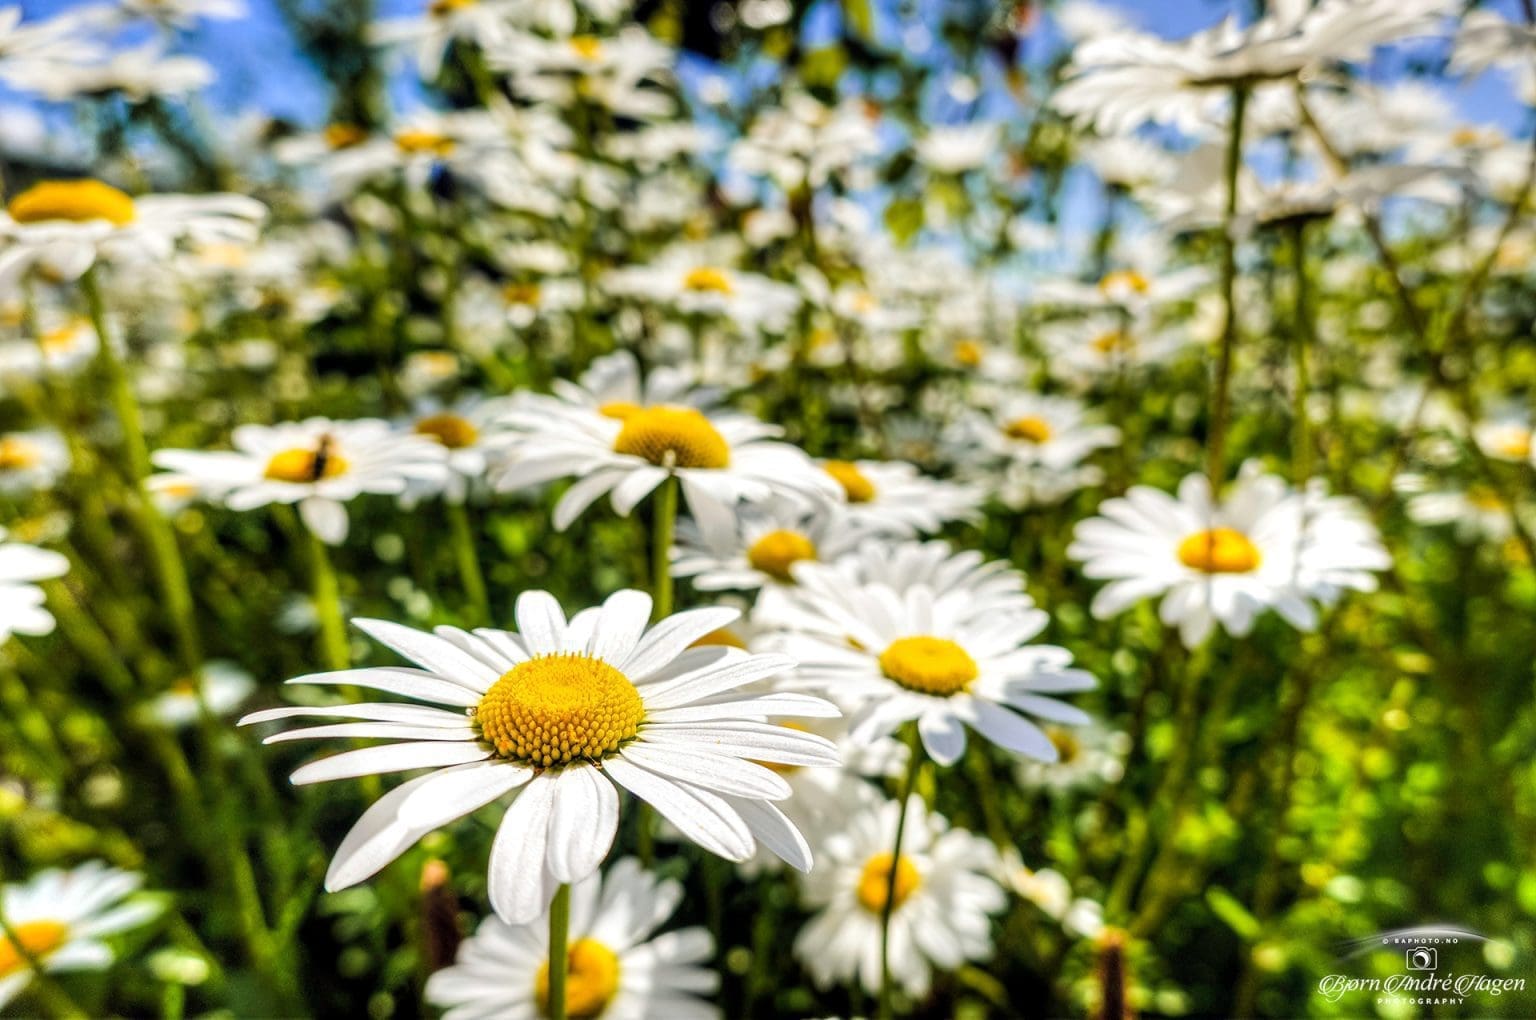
(1423, 958)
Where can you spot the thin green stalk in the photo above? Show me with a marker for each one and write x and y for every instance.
(661, 548)
(914, 762)
(1216, 441)
(559, 959)
(169, 568)
(470, 574)
(1302, 455)
(333, 627)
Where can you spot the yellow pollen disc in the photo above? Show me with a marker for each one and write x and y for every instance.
(1514, 444)
(875, 882)
(779, 550)
(1067, 747)
(928, 665)
(1123, 280)
(864, 302)
(1030, 428)
(342, 135)
(1220, 551)
(450, 430)
(856, 484)
(618, 410)
(1484, 498)
(429, 142)
(559, 708)
(673, 437)
(707, 279)
(36, 939)
(57, 341)
(17, 454)
(587, 47)
(591, 980)
(722, 638)
(75, 201)
(304, 466)
(1111, 342)
(969, 353)
(439, 8)
(1466, 135)
(520, 293)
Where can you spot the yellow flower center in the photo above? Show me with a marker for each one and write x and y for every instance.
(875, 882)
(75, 201)
(416, 142)
(450, 430)
(440, 8)
(342, 135)
(17, 454)
(618, 410)
(724, 637)
(33, 938)
(591, 980)
(1067, 746)
(587, 47)
(520, 293)
(969, 353)
(1030, 428)
(779, 550)
(1220, 551)
(707, 279)
(1515, 444)
(556, 709)
(928, 665)
(856, 484)
(1119, 281)
(299, 465)
(673, 437)
(1483, 498)
(58, 341)
(1112, 342)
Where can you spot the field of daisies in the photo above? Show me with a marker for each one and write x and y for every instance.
(768, 508)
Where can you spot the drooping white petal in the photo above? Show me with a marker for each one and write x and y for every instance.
(582, 824)
(520, 883)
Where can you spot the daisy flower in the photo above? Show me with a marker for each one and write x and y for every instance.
(1507, 437)
(892, 497)
(1086, 756)
(618, 967)
(566, 713)
(720, 459)
(1264, 547)
(60, 918)
(1475, 510)
(1051, 432)
(620, 72)
(466, 432)
(614, 386)
(31, 461)
(766, 543)
(693, 284)
(21, 600)
(944, 892)
(317, 463)
(223, 686)
(936, 566)
(431, 33)
(945, 661)
(66, 226)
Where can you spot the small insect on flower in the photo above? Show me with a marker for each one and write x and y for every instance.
(567, 713)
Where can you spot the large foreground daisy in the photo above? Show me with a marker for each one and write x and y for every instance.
(566, 713)
(947, 661)
(1265, 546)
(60, 917)
(616, 969)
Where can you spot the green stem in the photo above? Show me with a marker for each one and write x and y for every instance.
(1303, 439)
(1216, 442)
(661, 548)
(470, 574)
(908, 782)
(333, 628)
(169, 568)
(559, 961)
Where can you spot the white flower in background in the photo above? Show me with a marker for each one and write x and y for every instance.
(319, 464)
(1476, 511)
(944, 892)
(1052, 893)
(414, 148)
(1265, 546)
(224, 686)
(444, 22)
(21, 600)
(66, 226)
(1050, 432)
(33, 51)
(170, 14)
(1123, 79)
(688, 281)
(945, 661)
(62, 345)
(954, 149)
(137, 75)
(619, 72)
(613, 385)
(466, 431)
(31, 461)
(767, 541)
(60, 918)
(994, 584)
(803, 143)
(1127, 161)
(566, 713)
(1507, 436)
(1142, 282)
(1486, 39)
(616, 968)
(893, 498)
(1095, 346)
(719, 458)
(1086, 756)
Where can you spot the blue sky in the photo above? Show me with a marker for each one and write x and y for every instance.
(258, 65)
